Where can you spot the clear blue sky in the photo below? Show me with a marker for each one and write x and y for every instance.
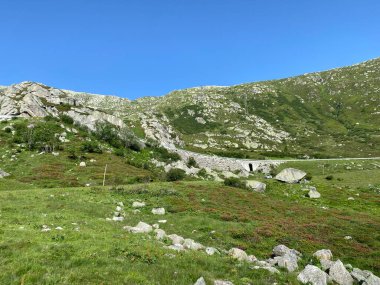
(134, 48)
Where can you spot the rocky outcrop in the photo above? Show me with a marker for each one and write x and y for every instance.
(290, 175)
(313, 275)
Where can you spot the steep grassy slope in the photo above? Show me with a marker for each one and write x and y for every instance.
(329, 114)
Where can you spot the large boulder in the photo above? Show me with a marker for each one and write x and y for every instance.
(313, 275)
(256, 185)
(339, 274)
(290, 175)
(365, 277)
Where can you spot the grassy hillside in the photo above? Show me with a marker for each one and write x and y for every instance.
(325, 114)
(89, 249)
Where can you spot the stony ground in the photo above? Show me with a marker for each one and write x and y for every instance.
(84, 247)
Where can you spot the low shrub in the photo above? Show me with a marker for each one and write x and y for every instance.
(175, 174)
(329, 177)
(91, 147)
(191, 162)
(235, 182)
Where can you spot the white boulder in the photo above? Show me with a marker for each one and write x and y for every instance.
(141, 227)
(339, 274)
(313, 275)
(158, 211)
(290, 175)
(256, 185)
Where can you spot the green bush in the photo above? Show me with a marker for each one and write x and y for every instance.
(235, 182)
(67, 119)
(167, 156)
(191, 162)
(175, 174)
(329, 177)
(91, 147)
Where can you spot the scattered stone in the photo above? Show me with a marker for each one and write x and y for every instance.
(59, 228)
(55, 153)
(45, 228)
(118, 218)
(281, 250)
(268, 268)
(339, 274)
(156, 226)
(138, 204)
(223, 282)
(162, 221)
(200, 281)
(348, 237)
(158, 211)
(211, 250)
(120, 204)
(288, 261)
(365, 277)
(313, 275)
(238, 254)
(324, 254)
(192, 245)
(82, 164)
(119, 209)
(160, 234)
(176, 239)
(176, 247)
(136, 211)
(314, 194)
(326, 264)
(3, 173)
(256, 185)
(141, 227)
(290, 175)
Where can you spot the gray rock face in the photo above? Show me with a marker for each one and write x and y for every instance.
(285, 257)
(339, 274)
(290, 175)
(192, 245)
(176, 239)
(256, 185)
(313, 275)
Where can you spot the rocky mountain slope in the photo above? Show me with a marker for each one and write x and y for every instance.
(323, 114)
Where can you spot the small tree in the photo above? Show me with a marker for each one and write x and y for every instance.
(191, 162)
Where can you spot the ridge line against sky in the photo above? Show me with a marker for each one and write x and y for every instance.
(144, 48)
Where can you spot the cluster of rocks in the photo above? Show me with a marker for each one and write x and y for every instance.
(119, 213)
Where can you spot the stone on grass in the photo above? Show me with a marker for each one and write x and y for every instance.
(281, 250)
(3, 173)
(160, 234)
(290, 175)
(45, 228)
(339, 274)
(158, 211)
(82, 164)
(288, 261)
(200, 281)
(137, 204)
(223, 282)
(365, 277)
(118, 218)
(141, 227)
(176, 239)
(162, 221)
(326, 264)
(238, 254)
(271, 269)
(176, 247)
(211, 250)
(256, 185)
(191, 244)
(325, 254)
(314, 194)
(313, 275)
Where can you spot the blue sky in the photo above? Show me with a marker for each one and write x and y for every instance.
(135, 48)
